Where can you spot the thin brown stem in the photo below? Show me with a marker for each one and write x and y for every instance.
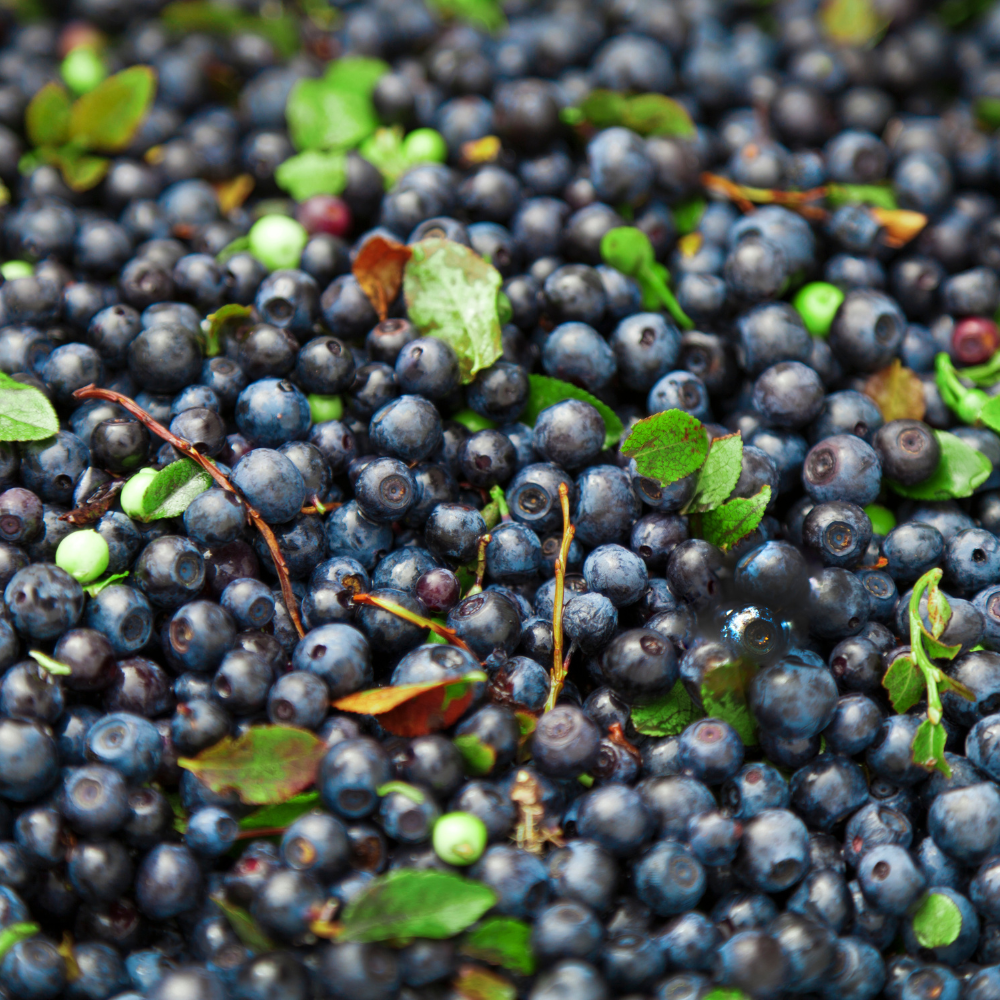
(411, 616)
(477, 587)
(186, 449)
(559, 665)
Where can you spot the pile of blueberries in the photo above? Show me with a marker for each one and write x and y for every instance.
(788, 849)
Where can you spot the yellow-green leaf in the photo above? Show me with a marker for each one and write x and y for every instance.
(501, 941)
(25, 412)
(106, 118)
(46, 119)
(667, 446)
(720, 473)
(312, 172)
(734, 520)
(851, 22)
(961, 470)
(245, 927)
(905, 684)
(173, 488)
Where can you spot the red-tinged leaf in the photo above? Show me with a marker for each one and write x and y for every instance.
(378, 269)
(898, 392)
(415, 709)
(938, 608)
(267, 764)
(477, 983)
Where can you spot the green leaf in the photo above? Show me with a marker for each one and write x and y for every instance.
(106, 118)
(879, 195)
(851, 22)
(479, 757)
(990, 413)
(46, 662)
(13, 933)
(357, 74)
(667, 446)
(46, 119)
(81, 171)
(477, 983)
(905, 684)
(603, 108)
(451, 293)
(405, 789)
(384, 150)
(240, 245)
(501, 941)
(938, 650)
(405, 903)
(688, 214)
(960, 472)
(282, 815)
(265, 765)
(657, 114)
(486, 14)
(986, 111)
(666, 715)
(188, 16)
(724, 696)
(245, 927)
(928, 747)
(173, 488)
(312, 172)
(725, 993)
(726, 525)
(321, 115)
(25, 412)
(938, 609)
(93, 589)
(545, 391)
(719, 474)
(229, 318)
(938, 922)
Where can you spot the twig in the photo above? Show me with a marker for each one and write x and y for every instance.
(559, 667)
(406, 614)
(477, 587)
(185, 448)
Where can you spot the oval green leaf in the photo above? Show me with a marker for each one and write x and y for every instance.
(667, 446)
(173, 488)
(726, 525)
(312, 172)
(501, 941)
(667, 714)
(545, 392)
(106, 118)
(25, 412)
(960, 472)
(46, 119)
(321, 115)
(407, 903)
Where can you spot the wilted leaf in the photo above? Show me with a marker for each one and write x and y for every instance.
(545, 392)
(667, 714)
(229, 318)
(25, 412)
(233, 193)
(938, 609)
(900, 225)
(475, 983)
(81, 172)
(501, 941)
(96, 505)
(720, 473)
(173, 488)
(244, 926)
(451, 293)
(312, 172)
(479, 757)
(960, 472)
(378, 268)
(406, 903)
(851, 22)
(898, 392)
(484, 150)
(667, 446)
(938, 921)
(267, 764)
(106, 118)
(726, 525)
(928, 747)
(46, 119)
(905, 683)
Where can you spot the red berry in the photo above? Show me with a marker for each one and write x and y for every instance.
(974, 340)
(325, 213)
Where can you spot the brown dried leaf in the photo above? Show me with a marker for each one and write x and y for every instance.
(898, 392)
(96, 505)
(900, 224)
(378, 269)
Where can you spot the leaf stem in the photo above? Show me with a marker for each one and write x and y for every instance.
(477, 587)
(920, 657)
(966, 403)
(411, 616)
(559, 667)
(185, 448)
(496, 495)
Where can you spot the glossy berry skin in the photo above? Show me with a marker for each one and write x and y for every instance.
(773, 853)
(384, 490)
(569, 433)
(169, 571)
(972, 560)
(565, 742)
(43, 600)
(669, 879)
(842, 467)
(271, 411)
(128, 743)
(271, 483)
(908, 450)
(794, 698)
(839, 532)
(639, 661)
(711, 750)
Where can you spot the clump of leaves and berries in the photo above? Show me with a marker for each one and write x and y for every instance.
(75, 135)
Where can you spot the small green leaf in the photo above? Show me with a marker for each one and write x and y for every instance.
(93, 589)
(545, 392)
(321, 115)
(928, 747)
(851, 22)
(312, 172)
(81, 171)
(384, 150)
(959, 473)
(688, 214)
(477, 983)
(665, 715)
(188, 16)
(487, 14)
(938, 609)
(25, 412)
(586, 780)
(724, 696)
(719, 474)
(405, 789)
(501, 941)
(905, 684)
(986, 111)
(990, 413)
(451, 293)
(240, 245)
(734, 520)
(406, 903)
(282, 815)
(13, 933)
(725, 993)
(173, 488)
(667, 446)
(938, 922)
(106, 118)
(46, 119)
(657, 114)
(879, 195)
(46, 662)
(357, 74)
(479, 757)
(265, 765)
(229, 318)
(938, 650)
(244, 926)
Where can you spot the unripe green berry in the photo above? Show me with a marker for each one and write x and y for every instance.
(134, 490)
(425, 145)
(84, 555)
(278, 241)
(459, 838)
(883, 520)
(323, 408)
(817, 303)
(83, 69)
